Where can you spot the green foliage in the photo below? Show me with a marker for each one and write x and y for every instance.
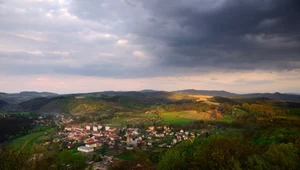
(221, 152)
(279, 135)
(172, 160)
(69, 160)
(126, 155)
(140, 161)
(281, 156)
(14, 126)
(263, 109)
(12, 160)
(256, 162)
(104, 148)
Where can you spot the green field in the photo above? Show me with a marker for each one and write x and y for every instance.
(26, 142)
(175, 118)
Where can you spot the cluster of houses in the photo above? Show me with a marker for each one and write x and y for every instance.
(154, 136)
(93, 136)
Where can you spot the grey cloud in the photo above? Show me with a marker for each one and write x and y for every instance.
(219, 34)
(179, 36)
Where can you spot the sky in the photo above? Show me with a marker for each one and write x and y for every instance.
(70, 46)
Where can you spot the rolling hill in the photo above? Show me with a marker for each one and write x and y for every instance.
(16, 98)
(275, 96)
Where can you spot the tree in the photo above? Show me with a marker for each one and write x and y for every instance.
(69, 160)
(172, 160)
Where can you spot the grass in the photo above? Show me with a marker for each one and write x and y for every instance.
(175, 118)
(26, 142)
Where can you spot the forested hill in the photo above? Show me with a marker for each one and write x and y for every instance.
(275, 96)
(15, 98)
(207, 92)
(3, 103)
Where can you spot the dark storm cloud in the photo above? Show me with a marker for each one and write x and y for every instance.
(237, 34)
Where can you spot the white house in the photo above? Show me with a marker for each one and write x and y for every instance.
(68, 128)
(88, 127)
(107, 127)
(92, 144)
(95, 128)
(160, 135)
(85, 149)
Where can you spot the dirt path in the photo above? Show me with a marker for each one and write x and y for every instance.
(23, 146)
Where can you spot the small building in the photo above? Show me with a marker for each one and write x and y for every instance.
(160, 135)
(68, 128)
(129, 147)
(151, 127)
(85, 149)
(88, 127)
(95, 128)
(92, 145)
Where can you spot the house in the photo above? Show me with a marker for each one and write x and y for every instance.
(70, 145)
(160, 135)
(68, 128)
(92, 144)
(88, 127)
(112, 129)
(95, 128)
(151, 127)
(85, 149)
(129, 147)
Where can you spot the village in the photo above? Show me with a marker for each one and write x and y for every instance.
(93, 138)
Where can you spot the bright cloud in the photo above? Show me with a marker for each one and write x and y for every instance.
(122, 42)
(138, 53)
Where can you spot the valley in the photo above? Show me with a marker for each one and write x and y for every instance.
(117, 129)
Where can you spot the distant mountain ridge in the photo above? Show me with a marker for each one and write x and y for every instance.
(207, 92)
(275, 96)
(40, 94)
(14, 98)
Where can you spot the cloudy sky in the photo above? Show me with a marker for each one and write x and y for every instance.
(69, 46)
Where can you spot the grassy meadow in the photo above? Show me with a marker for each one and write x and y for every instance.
(175, 117)
(25, 143)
